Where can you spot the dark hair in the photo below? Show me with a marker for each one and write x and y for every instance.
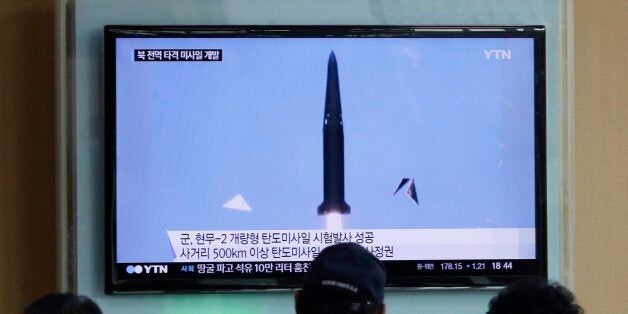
(63, 303)
(310, 304)
(534, 296)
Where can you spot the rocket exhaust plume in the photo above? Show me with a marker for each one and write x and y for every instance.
(333, 147)
(334, 221)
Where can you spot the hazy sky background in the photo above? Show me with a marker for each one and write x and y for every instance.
(192, 135)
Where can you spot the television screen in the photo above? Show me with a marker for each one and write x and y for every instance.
(234, 154)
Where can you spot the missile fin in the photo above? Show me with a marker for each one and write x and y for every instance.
(401, 184)
(411, 192)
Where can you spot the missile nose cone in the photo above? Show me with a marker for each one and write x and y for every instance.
(332, 57)
(333, 111)
(332, 66)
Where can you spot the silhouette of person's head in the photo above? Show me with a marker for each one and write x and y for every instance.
(344, 278)
(63, 303)
(534, 296)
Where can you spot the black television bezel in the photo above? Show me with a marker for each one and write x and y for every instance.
(113, 284)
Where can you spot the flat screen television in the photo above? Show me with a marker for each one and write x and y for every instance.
(234, 154)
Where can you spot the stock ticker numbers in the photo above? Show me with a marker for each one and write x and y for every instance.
(464, 266)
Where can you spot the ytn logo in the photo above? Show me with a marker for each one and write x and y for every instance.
(148, 269)
(498, 54)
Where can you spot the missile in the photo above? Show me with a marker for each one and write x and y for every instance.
(333, 147)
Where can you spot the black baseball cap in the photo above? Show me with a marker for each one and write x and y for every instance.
(345, 278)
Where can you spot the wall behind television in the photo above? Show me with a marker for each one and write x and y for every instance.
(89, 18)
